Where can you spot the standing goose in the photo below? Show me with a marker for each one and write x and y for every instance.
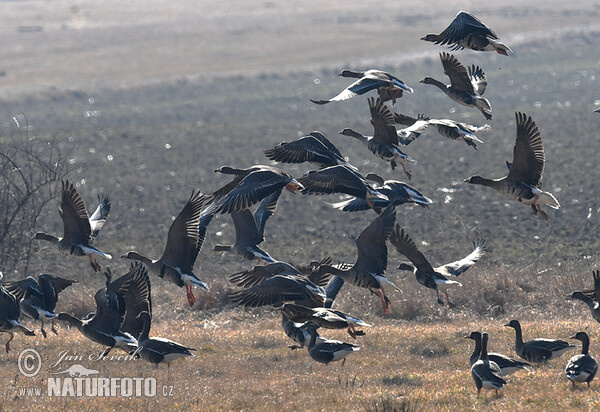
(340, 179)
(277, 283)
(388, 86)
(39, 306)
(9, 315)
(314, 148)
(79, 229)
(249, 230)
(385, 142)
(537, 350)
(426, 275)
(486, 373)
(582, 367)
(159, 350)
(465, 88)
(398, 193)
(507, 365)
(250, 186)
(184, 241)
(113, 302)
(467, 31)
(371, 263)
(591, 297)
(323, 317)
(329, 350)
(523, 182)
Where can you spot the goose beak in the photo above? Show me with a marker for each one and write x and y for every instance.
(507, 325)
(294, 186)
(573, 337)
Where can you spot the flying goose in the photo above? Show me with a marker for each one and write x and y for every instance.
(523, 182)
(582, 367)
(388, 86)
(329, 350)
(537, 350)
(449, 128)
(80, 230)
(397, 192)
(40, 304)
(276, 283)
(371, 262)
(597, 110)
(158, 350)
(314, 148)
(250, 186)
(467, 31)
(385, 142)
(591, 297)
(324, 318)
(486, 373)
(340, 179)
(426, 275)
(9, 315)
(298, 332)
(184, 241)
(507, 365)
(249, 230)
(465, 88)
(114, 304)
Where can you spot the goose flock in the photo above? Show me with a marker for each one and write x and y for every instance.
(305, 295)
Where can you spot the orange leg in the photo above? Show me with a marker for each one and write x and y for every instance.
(406, 172)
(53, 329)
(384, 301)
(190, 295)
(12, 335)
(450, 304)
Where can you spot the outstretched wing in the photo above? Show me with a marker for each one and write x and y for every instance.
(372, 250)
(528, 156)
(406, 246)
(384, 124)
(76, 222)
(460, 266)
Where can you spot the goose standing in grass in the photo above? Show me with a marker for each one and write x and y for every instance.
(467, 31)
(79, 229)
(324, 318)
(397, 192)
(582, 367)
(184, 241)
(388, 86)
(371, 262)
(537, 350)
(385, 142)
(328, 350)
(314, 148)
(276, 283)
(591, 297)
(426, 275)
(114, 303)
(9, 315)
(449, 128)
(40, 304)
(340, 179)
(465, 88)
(250, 186)
(159, 350)
(249, 230)
(507, 365)
(523, 182)
(486, 373)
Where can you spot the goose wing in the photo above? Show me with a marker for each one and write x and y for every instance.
(406, 246)
(275, 290)
(266, 209)
(528, 157)
(137, 298)
(478, 79)
(246, 232)
(24, 288)
(459, 78)
(463, 25)
(51, 286)
(334, 179)
(384, 124)
(305, 149)
(371, 243)
(184, 241)
(76, 222)
(100, 215)
(460, 266)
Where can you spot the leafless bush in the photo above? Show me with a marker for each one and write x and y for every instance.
(30, 173)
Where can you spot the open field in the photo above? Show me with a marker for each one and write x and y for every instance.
(149, 102)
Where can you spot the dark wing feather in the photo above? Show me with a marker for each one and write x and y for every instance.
(246, 232)
(183, 240)
(76, 222)
(372, 250)
(273, 291)
(100, 215)
(137, 298)
(384, 124)
(406, 246)
(51, 286)
(305, 149)
(9, 304)
(24, 288)
(463, 24)
(459, 78)
(335, 179)
(253, 188)
(327, 143)
(266, 209)
(528, 157)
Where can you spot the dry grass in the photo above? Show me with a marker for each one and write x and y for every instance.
(242, 363)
